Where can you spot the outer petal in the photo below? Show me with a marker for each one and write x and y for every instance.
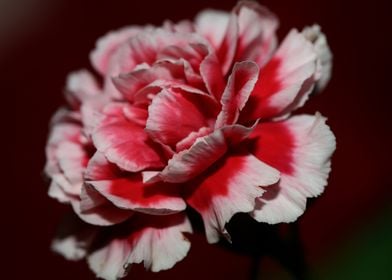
(72, 158)
(239, 87)
(56, 191)
(95, 209)
(286, 79)
(123, 142)
(221, 30)
(60, 132)
(108, 44)
(127, 191)
(230, 186)
(81, 85)
(73, 238)
(212, 25)
(174, 106)
(159, 242)
(257, 26)
(300, 148)
(324, 54)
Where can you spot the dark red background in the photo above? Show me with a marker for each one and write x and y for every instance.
(52, 38)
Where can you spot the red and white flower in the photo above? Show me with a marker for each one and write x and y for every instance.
(194, 113)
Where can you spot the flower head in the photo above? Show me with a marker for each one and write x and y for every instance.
(194, 114)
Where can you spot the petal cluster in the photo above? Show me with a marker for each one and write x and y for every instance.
(191, 114)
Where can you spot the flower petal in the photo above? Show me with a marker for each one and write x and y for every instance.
(257, 32)
(287, 77)
(95, 209)
(189, 163)
(127, 190)
(212, 25)
(221, 30)
(230, 186)
(72, 158)
(174, 106)
(324, 54)
(124, 142)
(300, 148)
(56, 191)
(239, 87)
(81, 85)
(211, 72)
(159, 242)
(108, 44)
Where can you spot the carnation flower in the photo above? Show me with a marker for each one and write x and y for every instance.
(190, 114)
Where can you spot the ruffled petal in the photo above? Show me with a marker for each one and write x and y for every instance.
(239, 87)
(175, 106)
(108, 44)
(127, 190)
(324, 54)
(130, 83)
(212, 25)
(123, 142)
(230, 186)
(80, 86)
(158, 242)
(193, 161)
(95, 209)
(72, 159)
(300, 148)
(206, 150)
(57, 192)
(257, 32)
(286, 80)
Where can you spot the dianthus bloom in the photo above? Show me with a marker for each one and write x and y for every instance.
(189, 114)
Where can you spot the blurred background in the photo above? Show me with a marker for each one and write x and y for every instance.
(344, 234)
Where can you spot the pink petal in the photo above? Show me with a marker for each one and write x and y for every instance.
(81, 86)
(95, 209)
(129, 84)
(60, 132)
(90, 111)
(300, 148)
(226, 51)
(212, 25)
(257, 32)
(286, 79)
(56, 191)
(127, 190)
(124, 142)
(74, 238)
(174, 106)
(230, 186)
(189, 163)
(108, 44)
(72, 158)
(159, 242)
(324, 54)
(221, 30)
(211, 73)
(236, 94)
(206, 150)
